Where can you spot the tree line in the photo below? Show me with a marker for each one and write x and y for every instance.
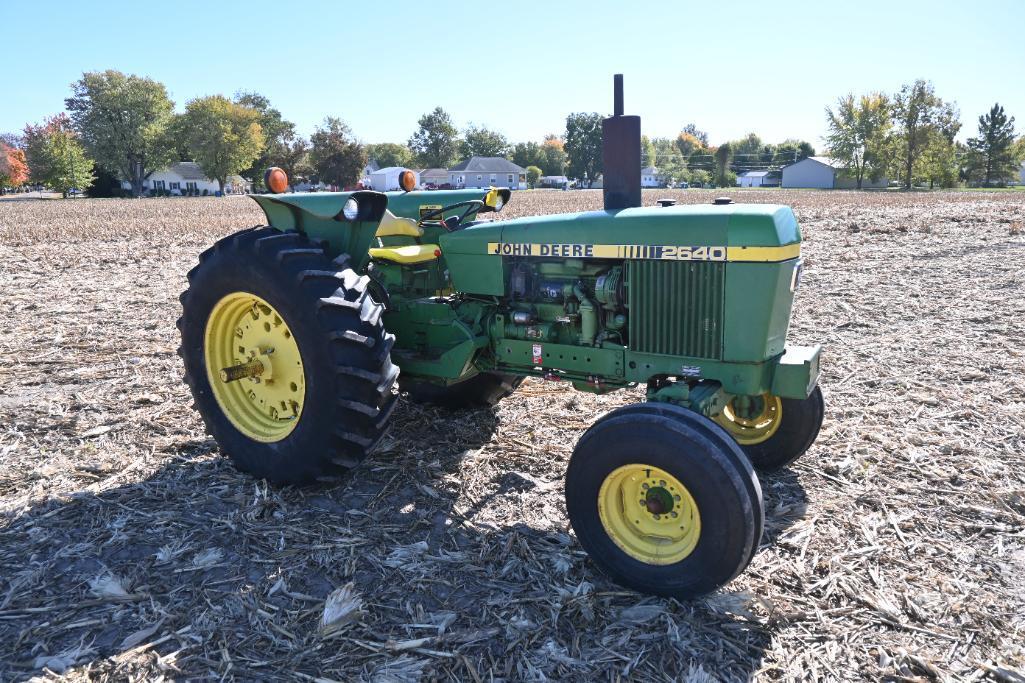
(121, 127)
(910, 135)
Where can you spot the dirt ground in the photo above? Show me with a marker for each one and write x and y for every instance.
(130, 549)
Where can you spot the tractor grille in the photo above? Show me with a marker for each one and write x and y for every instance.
(676, 307)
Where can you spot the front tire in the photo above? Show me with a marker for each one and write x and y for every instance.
(664, 501)
(793, 429)
(316, 389)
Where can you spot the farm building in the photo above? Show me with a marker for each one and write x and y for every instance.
(558, 182)
(184, 177)
(649, 177)
(488, 172)
(824, 173)
(385, 179)
(758, 179)
(435, 177)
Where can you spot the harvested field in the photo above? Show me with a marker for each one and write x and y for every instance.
(129, 549)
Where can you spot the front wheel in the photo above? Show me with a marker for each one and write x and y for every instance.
(773, 431)
(663, 501)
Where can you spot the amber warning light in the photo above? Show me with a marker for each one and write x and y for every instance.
(276, 180)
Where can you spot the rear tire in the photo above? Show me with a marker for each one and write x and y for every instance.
(698, 466)
(483, 390)
(347, 398)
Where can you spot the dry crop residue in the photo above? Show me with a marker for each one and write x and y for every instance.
(130, 549)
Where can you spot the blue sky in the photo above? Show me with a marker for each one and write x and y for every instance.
(520, 67)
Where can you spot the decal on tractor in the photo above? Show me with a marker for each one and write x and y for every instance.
(538, 353)
(426, 209)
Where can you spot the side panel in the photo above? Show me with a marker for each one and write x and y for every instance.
(757, 311)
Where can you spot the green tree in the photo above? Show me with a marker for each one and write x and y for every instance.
(1018, 150)
(277, 132)
(55, 156)
(388, 154)
(335, 155)
(791, 151)
(295, 160)
(526, 154)
(672, 166)
(553, 155)
(938, 163)
(123, 121)
(723, 155)
(991, 155)
(479, 141)
(533, 175)
(434, 142)
(746, 151)
(648, 157)
(919, 115)
(858, 134)
(223, 137)
(584, 146)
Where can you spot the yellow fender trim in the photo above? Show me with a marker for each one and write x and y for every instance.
(412, 254)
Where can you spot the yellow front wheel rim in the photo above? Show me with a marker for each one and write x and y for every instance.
(649, 514)
(254, 367)
(751, 420)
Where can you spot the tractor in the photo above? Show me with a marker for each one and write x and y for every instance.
(294, 335)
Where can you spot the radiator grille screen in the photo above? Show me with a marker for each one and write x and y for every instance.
(676, 307)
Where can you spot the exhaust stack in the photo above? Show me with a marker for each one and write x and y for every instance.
(621, 154)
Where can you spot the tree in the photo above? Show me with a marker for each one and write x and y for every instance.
(223, 137)
(527, 154)
(478, 141)
(671, 164)
(919, 115)
(584, 146)
(692, 130)
(991, 155)
(13, 169)
(56, 158)
(858, 133)
(723, 154)
(533, 175)
(648, 156)
(791, 151)
(295, 160)
(938, 162)
(123, 120)
(388, 154)
(688, 143)
(434, 142)
(553, 155)
(277, 132)
(335, 155)
(1018, 150)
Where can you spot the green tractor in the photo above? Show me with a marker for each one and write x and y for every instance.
(293, 336)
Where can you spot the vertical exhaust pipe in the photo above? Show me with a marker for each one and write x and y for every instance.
(621, 154)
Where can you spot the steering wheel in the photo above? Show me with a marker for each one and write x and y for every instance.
(472, 207)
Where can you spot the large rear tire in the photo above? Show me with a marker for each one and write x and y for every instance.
(303, 332)
(664, 501)
(485, 389)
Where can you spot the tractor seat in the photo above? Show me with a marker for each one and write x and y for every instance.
(393, 226)
(407, 255)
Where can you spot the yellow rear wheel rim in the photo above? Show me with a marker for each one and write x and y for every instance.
(649, 514)
(751, 420)
(246, 335)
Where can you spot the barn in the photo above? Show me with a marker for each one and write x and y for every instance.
(824, 173)
(758, 179)
(386, 179)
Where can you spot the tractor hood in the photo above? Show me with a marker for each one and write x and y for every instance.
(735, 232)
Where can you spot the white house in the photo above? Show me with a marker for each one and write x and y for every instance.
(435, 177)
(484, 172)
(649, 177)
(182, 177)
(825, 173)
(385, 179)
(752, 178)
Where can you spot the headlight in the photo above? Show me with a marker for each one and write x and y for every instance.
(499, 203)
(350, 209)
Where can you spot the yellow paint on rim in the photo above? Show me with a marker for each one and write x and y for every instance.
(243, 328)
(649, 514)
(763, 421)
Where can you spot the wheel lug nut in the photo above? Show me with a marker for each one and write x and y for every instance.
(673, 515)
(658, 516)
(644, 486)
(676, 498)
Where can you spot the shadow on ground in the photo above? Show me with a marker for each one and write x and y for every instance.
(462, 568)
